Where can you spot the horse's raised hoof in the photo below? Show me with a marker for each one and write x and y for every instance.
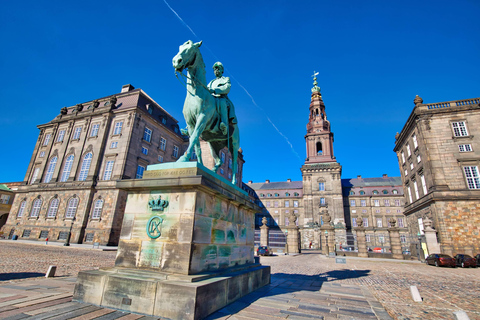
(183, 159)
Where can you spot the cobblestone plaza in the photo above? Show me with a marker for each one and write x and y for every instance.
(306, 286)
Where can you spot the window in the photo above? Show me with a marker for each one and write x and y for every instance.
(409, 194)
(351, 193)
(61, 135)
(365, 222)
(400, 223)
(473, 179)
(26, 233)
(295, 204)
(163, 143)
(52, 210)
(34, 175)
(144, 151)
(381, 238)
(50, 170)
(4, 199)
(408, 150)
(275, 204)
(276, 195)
(114, 145)
(406, 172)
(367, 238)
(354, 211)
(118, 127)
(21, 209)
(321, 186)
(395, 191)
(399, 211)
(269, 194)
(47, 139)
(415, 187)
(403, 238)
(420, 225)
(397, 202)
(364, 211)
(147, 134)
(403, 157)
(164, 120)
(76, 134)
(62, 235)
(379, 223)
(89, 237)
(459, 129)
(97, 210)
(221, 170)
(419, 159)
(385, 192)
(230, 163)
(85, 167)
(94, 131)
(465, 147)
(42, 154)
(108, 170)
(140, 171)
(287, 203)
(287, 194)
(222, 156)
(286, 221)
(229, 175)
(387, 203)
(363, 203)
(375, 191)
(387, 211)
(415, 143)
(160, 159)
(175, 151)
(37, 204)
(352, 203)
(362, 193)
(267, 204)
(354, 222)
(43, 234)
(377, 210)
(67, 168)
(72, 208)
(411, 165)
(322, 201)
(296, 194)
(424, 185)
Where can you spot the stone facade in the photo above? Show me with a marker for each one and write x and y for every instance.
(77, 159)
(438, 154)
(6, 200)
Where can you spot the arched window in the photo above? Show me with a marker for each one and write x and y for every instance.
(395, 191)
(319, 148)
(67, 168)
(37, 204)
(50, 170)
(287, 194)
(296, 194)
(276, 194)
(72, 208)
(52, 210)
(385, 192)
(269, 194)
(85, 167)
(375, 192)
(362, 192)
(97, 210)
(352, 193)
(21, 209)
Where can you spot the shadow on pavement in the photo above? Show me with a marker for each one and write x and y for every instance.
(284, 284)
(20, 275)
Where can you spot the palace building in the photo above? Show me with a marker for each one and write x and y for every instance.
(70, 184)
(438, 153)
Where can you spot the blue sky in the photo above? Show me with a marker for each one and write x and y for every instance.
(373, 58)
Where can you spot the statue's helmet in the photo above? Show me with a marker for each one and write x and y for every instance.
(218, 64)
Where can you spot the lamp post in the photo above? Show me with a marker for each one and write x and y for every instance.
(67, 241)
(420, 249)
(327, 249)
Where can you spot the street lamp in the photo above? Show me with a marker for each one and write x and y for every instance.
(67, 241)
(327, 249)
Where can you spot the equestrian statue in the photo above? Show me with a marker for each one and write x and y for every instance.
(208, 112)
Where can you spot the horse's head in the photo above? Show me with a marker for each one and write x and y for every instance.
(186, 55)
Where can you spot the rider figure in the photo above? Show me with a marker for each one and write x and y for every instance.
(219, 88)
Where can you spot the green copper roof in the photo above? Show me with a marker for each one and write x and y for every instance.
(4, 187)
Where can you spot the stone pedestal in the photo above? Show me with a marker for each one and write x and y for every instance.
(431, 239)
(361, 242)
(293, 240)
(264, 235)
(395, 244)
(185, 250)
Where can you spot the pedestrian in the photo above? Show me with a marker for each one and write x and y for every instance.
(46, 241)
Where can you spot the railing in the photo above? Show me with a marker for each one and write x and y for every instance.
(456, 103)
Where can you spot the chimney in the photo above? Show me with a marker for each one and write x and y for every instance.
(385, 175)
(289, 180)
(359, 177)
(250, 182)
(127, 88)
(267, 181)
